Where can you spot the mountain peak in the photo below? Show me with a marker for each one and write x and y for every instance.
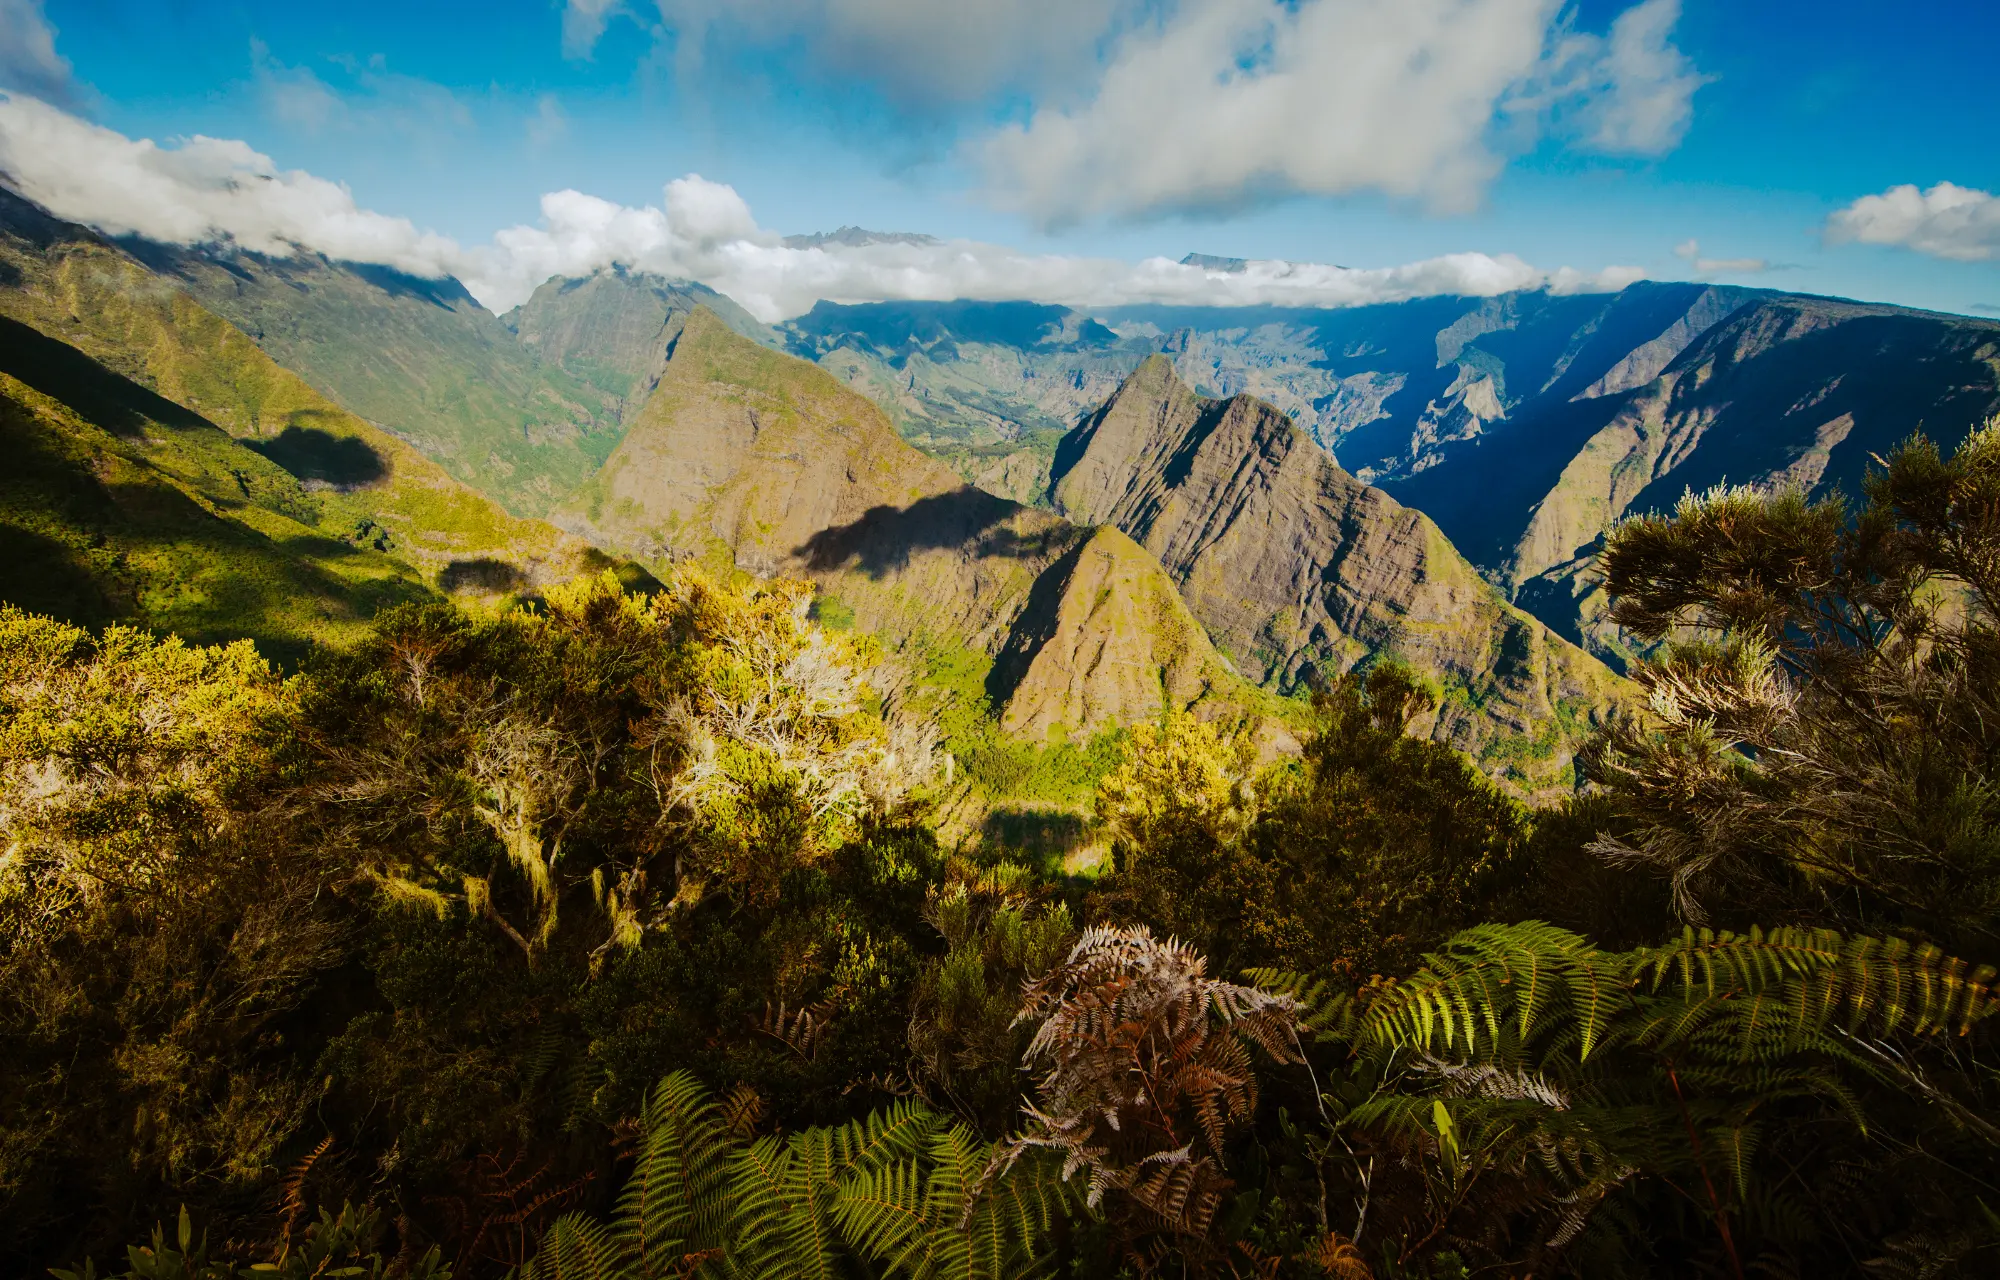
(856, 238)
(1299, 572)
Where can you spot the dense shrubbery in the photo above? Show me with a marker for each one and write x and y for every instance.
(395, 955)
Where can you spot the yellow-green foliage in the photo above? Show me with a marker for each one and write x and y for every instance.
(1000, 769)
(177, 529)
(115, 752)
(1178, 774)
(145, 329)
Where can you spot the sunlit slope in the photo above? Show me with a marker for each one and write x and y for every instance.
(143, 373)
(418, 357)
(1301, 572)
(117, 505)
(746, 458)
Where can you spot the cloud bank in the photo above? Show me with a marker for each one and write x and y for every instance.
(1136, 107)
(29, 62)
(1231, 100)
(211, 190)
(1947, 221)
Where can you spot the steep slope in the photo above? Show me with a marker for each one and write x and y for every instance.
(1788, 390)
(118, 505)
(611, 330)
(1503, 419)
(1299, 571)
(746, 458)
(418, 357)
(120, 348)
(1386, 387)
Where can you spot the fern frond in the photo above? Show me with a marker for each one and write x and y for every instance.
(575, 1248)
(1530, 976)
(676, 1201)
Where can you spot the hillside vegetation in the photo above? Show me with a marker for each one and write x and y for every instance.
(270, 512)
(612, 936)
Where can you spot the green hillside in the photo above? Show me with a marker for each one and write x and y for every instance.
(418, 357)
(119, 505)
(261, 509)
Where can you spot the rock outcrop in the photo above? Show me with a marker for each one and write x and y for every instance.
(748, 459)
(1300, 572)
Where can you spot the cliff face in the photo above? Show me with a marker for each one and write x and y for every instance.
(745, 458)
(1299, 571)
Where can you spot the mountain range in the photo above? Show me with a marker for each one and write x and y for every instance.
(1523, 425)
(1056, 521)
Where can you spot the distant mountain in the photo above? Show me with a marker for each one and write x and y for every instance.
(417, 357)
(165, 471)
(611, 330)
(1784, 389)
(856, 238)
(1301, 572)
(1523, 425)
(747, 458)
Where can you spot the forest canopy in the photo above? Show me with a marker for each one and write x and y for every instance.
(612, 934)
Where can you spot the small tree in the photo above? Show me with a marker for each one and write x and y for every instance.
(1825, 714)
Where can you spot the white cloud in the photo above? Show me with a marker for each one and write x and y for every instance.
(919, 52)
(1947, 221)
(1638, 89)
(703, 231)
(29, 62)
(204, 189)
(1226, 101)
(207, 190)
(1691, 251)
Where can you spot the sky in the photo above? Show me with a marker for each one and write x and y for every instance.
(1063, 150)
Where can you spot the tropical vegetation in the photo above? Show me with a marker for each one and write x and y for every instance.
(610, 934)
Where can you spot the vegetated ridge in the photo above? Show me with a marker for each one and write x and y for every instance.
(172, 474)
(1300, 572)
(749, 459)
(1503, 419)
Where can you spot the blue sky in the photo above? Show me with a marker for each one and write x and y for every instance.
(1740, 127)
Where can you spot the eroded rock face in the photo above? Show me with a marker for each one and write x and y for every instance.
(1299, 571)
(1792, 391)
(748, 459)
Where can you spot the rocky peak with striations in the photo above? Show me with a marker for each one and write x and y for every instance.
(746, 458)
(1300, 572)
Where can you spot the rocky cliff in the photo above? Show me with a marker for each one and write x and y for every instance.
(746, 458)
(1300, 572)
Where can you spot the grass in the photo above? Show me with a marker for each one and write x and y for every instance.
(93, 529)
(1002, 771)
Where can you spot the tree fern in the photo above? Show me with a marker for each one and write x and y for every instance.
(1523, 1052)
(900, 1189)
(676, 1201)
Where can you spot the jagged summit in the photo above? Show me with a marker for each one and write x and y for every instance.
(748, 459)
(1299, 571)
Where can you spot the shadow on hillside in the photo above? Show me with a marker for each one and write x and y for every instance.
(97, 394)
(1042, 834)
(484, 574)
(1035, 627)
(312, 454)
(967, 519)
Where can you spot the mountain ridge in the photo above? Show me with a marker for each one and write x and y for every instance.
(749, 459)
(1300, 572)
